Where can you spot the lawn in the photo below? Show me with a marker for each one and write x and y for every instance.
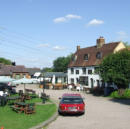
(12, 120)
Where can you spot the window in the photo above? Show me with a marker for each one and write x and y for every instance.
(99, 55)
(86, 56)
(72, 70)
(89, 71)
(77, 80)
(96, 70)
(84, 80)
(56, 80)
(84, 70)
(74, 58)
(77, 71)
(72, 80)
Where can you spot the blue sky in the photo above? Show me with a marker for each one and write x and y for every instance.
(35, 32)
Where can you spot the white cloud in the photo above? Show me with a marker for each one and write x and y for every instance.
(122, 35)
(43, 45)
(66, 18)
(59, 19)
(58, 48)
(95, 22)
(71, 16)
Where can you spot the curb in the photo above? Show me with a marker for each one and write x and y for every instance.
(45, 123)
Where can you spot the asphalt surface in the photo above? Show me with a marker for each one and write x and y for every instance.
(100, 113)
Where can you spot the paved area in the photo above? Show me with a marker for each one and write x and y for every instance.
(101, 113)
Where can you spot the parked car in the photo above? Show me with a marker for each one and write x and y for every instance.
(72, 104)
(8, 88)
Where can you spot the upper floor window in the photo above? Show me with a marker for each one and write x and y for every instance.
(89, 71)
(99, 55)
(72, 70)
(84, 70)
(77, 71)
(86, 56)
(74, 58)
(96, 70)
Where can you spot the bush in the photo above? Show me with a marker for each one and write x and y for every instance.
(125, 95)
(97, 91)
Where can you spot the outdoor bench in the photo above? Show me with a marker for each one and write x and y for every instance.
(17, 109)
(30, 108)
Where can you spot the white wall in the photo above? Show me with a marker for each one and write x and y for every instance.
(94, 76)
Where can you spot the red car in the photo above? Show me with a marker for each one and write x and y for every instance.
(72, 104)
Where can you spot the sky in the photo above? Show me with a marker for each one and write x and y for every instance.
(36, 32)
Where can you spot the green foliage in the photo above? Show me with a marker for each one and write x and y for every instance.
(116, 68)
(125, 95)
(47, 69)
(5, 61)
(127, 44)
(61, 64)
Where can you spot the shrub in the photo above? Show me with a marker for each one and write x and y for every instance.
(125, 95)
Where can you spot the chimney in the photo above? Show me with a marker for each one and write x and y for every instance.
(100, 42)
(78, 47)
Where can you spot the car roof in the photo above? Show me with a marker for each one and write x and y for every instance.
(71, 95)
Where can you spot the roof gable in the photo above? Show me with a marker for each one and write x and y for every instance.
(105, 50)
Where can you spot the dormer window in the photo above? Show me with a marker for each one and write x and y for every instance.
(74, 58)
(86, 56)
(99, 55)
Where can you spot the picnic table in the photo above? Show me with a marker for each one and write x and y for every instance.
(30, 91)
(11, 99)
(18, 107)
(27, 108)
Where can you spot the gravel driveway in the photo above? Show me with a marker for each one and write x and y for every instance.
(101, 113)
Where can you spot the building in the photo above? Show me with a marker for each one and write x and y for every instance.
(34, 72)
(56, 77)
(84, 64)
(12, 71)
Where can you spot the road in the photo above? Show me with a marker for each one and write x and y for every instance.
(101, 113)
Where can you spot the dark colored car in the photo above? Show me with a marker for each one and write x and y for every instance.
(72, 104)
(5, 86)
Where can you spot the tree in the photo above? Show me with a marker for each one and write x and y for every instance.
(47, 69)
(127, 44)
(61, 63)
(116, 68)
(5, 61)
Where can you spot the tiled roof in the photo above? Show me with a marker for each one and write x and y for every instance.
(9, 69)
(32, 71)
(105, 50)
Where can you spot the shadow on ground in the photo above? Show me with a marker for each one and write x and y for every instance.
(121, 101)
(71, 115)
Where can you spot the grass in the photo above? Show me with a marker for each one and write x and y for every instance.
(126, 94)
(12, 120)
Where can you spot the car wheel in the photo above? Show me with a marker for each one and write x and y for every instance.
(59, 113)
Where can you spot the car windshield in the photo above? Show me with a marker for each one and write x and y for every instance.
(72, 100)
